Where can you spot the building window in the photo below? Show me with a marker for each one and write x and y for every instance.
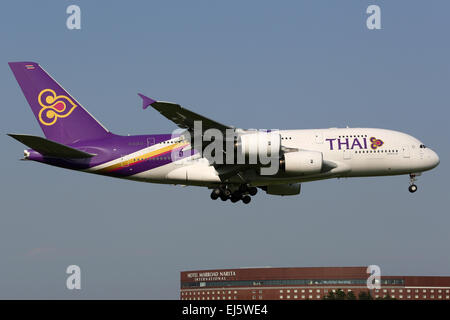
(303, 297)
(295, 297)
(281, 297)
(295, 291)
(281, 291)
(288, 297)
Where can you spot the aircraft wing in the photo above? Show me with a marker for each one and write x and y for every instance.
(182, 117)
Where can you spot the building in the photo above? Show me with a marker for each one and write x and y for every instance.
(305, 284)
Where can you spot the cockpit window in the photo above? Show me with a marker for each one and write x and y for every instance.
(422, 146)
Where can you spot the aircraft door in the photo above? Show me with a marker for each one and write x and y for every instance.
(347, 154)
(124, 162)
(319, 137)
(150, 142)
(405, 152)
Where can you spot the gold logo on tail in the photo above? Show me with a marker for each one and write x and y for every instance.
(54, 107)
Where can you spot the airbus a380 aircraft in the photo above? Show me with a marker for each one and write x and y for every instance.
(76, 140)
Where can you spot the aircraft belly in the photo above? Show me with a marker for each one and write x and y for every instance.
(180, 173)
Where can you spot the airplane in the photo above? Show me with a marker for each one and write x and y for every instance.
(75, 140)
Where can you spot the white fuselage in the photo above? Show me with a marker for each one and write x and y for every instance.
(349, 148)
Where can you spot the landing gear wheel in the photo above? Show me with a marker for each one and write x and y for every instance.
(412, 187)
(215, 194)
(246, 199)
(252, 191)
(235, 196)
(226, 192)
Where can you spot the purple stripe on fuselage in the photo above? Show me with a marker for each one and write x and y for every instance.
(118, 146)
(113, 148)
(151, 163)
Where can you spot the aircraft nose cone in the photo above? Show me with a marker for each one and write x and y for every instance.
(434, 158)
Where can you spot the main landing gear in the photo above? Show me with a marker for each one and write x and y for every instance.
(412, 187)
(243, 192)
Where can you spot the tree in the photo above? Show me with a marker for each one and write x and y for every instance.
(330, 296)
(365, 295)
(351, 296)
(340, 295)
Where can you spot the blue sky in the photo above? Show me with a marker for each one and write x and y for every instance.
(251, 64)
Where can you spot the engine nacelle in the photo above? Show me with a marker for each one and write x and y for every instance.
(265, 144)
(302, 162)
(290, 189)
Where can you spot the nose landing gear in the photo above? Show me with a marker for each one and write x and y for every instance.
(412, 187)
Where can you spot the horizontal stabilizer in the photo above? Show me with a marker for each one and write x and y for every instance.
(50, 148)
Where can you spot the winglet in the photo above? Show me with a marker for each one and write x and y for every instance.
(146, 101)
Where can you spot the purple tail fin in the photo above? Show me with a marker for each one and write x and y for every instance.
(60, 116)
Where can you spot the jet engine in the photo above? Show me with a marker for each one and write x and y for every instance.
(254, 145)
(301, 162)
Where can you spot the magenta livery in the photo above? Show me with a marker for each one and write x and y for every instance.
(74, 139)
